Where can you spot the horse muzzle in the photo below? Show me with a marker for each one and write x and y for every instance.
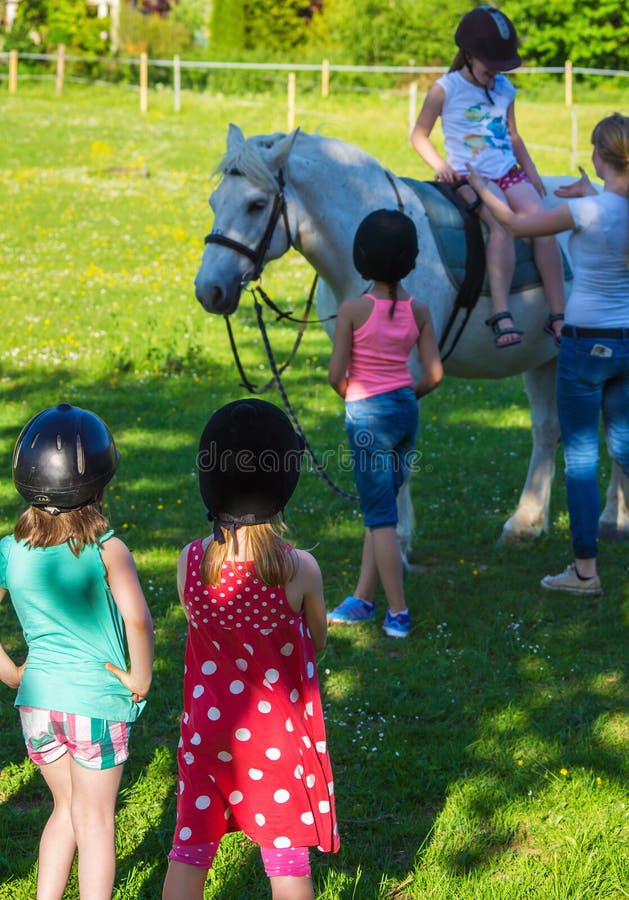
(215, 299)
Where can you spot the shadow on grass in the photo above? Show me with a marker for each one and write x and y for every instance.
(495, 671)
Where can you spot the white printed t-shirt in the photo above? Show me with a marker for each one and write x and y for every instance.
(476, 131)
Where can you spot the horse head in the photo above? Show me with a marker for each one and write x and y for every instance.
(250, 218)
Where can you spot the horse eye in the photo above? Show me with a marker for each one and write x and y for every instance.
(256, 206)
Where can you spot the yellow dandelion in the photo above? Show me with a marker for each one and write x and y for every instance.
(563, 772)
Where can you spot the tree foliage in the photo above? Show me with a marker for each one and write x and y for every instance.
(253, 25)
(41, 25)
(592, 35)
(159, 36)
(369, 32)
(382, 32)
(227, 26)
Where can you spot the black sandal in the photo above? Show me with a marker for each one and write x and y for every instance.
(548, 327)
(493, 322)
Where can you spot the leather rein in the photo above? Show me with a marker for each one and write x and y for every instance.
(257, 257)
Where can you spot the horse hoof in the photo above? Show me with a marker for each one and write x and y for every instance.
(510, 537)
(609, 531)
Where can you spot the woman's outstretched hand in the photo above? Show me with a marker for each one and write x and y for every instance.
(580, 188)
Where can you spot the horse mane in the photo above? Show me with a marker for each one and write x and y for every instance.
(248, 159)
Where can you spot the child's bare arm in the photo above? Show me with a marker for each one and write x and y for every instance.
(311, 583)
(10, 674)
(428, 348)
(182, 564)
(341, 351)
(420, 135)
(522, 154)
(127, 592)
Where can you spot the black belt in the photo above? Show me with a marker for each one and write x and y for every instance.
(612, 333)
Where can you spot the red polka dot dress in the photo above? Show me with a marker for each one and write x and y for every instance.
(253, 754)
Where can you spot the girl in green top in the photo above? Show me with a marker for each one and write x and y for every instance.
(77, 595)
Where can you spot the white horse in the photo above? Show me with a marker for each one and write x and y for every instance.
(311, 192)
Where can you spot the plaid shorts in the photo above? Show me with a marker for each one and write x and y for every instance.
(92, 743)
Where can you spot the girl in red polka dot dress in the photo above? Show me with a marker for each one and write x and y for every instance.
(253, 754)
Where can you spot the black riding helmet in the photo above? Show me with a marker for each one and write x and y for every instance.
(487, 34)
(249, 463)
(385, 246)
(63, 458)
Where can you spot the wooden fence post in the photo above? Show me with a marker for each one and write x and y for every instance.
(12, 71)
(60, 65)
(412, 106)
(568, 79)
(292, 80)
(144, 81)
(574, 139)
(177, 82)
(325, 78)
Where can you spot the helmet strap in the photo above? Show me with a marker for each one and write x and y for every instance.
(468, 65)
(230, 524)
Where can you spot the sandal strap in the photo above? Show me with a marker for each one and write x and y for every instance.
(502, 331)
(493, 320)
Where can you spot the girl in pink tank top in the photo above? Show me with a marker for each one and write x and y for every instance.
(375, 335)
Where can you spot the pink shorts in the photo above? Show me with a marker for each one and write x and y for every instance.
(92, 743)
(515, 175)
(293, 861)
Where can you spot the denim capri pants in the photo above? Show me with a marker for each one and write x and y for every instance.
(382, 432)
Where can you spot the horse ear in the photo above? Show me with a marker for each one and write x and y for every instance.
(280, 150)
(235, 137)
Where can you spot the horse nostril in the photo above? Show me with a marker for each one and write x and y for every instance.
(213, 299)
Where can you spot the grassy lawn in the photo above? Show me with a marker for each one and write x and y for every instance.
(486, 756)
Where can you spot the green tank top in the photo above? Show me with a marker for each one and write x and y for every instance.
(71, 626)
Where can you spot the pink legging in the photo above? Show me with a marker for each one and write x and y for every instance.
(288, 861)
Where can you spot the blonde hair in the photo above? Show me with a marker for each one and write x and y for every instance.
(274, 559)
(74, 527)
(611, 138)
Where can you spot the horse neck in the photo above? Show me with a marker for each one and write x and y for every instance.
(330, 193)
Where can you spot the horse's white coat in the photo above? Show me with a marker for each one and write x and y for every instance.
(330, 187)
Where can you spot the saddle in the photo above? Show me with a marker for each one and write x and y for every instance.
(460, 237)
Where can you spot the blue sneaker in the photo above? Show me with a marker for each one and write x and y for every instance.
(397, 625)
(352, 611)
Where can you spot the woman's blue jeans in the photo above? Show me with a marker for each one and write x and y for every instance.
(592, 377)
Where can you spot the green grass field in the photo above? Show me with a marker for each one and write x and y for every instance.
(486, 756)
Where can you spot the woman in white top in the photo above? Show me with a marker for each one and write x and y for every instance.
(593, 369)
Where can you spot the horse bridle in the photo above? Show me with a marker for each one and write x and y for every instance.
(258, 255)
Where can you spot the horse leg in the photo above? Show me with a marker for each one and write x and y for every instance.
(530, 518)
(406, 521)
(613, 524)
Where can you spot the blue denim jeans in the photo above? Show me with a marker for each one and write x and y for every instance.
(382, 432)
(590, 381)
